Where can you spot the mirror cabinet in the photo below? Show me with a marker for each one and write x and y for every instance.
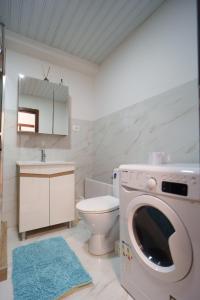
(43, 107)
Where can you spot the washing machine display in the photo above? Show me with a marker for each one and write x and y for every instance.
(175, 188)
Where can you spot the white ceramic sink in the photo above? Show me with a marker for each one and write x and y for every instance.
(49, 167)
(46, 163)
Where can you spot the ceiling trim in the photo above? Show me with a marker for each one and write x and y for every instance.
(40, 51)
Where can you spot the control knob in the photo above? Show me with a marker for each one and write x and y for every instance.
(151, 184)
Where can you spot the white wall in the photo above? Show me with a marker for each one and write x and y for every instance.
(80, 85)
(160, 55)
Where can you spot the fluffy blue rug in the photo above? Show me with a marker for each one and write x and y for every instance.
(46, 270)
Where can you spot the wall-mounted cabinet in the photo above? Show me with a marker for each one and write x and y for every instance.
(46, 194)
(43, 107)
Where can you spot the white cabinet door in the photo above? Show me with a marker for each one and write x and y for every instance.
(62, 205)
(34, 203)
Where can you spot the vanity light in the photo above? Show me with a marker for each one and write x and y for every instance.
(21, 76)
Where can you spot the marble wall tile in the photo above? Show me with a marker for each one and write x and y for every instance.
(77, 147)
(167, 122)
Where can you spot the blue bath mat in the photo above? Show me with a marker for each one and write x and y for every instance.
(46, 270)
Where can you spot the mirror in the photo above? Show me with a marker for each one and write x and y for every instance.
(60, 111)
(42, 107)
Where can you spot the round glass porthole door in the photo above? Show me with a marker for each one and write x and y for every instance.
(159, 238)
(152, 230)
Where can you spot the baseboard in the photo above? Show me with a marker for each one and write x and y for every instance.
(3, 252)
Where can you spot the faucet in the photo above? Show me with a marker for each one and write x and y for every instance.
(43, 155)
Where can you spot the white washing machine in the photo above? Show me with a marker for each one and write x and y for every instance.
(160, 231)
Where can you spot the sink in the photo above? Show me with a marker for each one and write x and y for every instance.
(46, 163)
(49, 167)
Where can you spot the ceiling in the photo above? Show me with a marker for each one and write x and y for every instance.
(89, 29)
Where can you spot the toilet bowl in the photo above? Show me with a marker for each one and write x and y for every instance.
(101, 214)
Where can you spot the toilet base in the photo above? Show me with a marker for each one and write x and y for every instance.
(100, 244)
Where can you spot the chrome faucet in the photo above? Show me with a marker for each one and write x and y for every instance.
(43, 155)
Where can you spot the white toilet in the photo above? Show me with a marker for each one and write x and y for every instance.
(102, 217)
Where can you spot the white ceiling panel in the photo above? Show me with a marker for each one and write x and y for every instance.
(89, 29)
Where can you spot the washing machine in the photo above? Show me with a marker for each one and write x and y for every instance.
(160, 231)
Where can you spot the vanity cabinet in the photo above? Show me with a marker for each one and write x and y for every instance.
(61, 188)
(45, 194)
(33, 203)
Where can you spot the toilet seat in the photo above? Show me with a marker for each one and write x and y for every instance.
(98, 204)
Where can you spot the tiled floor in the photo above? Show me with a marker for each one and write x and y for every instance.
(104, 270)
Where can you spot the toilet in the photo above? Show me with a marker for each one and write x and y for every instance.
(101, 214)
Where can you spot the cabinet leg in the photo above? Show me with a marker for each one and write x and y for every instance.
(70, 224)
(23, 236)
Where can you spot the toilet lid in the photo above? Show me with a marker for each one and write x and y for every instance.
(98, 204)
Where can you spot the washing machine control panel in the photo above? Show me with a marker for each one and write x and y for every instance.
(182, 184)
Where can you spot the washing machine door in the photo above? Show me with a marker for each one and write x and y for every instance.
(159, 238)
